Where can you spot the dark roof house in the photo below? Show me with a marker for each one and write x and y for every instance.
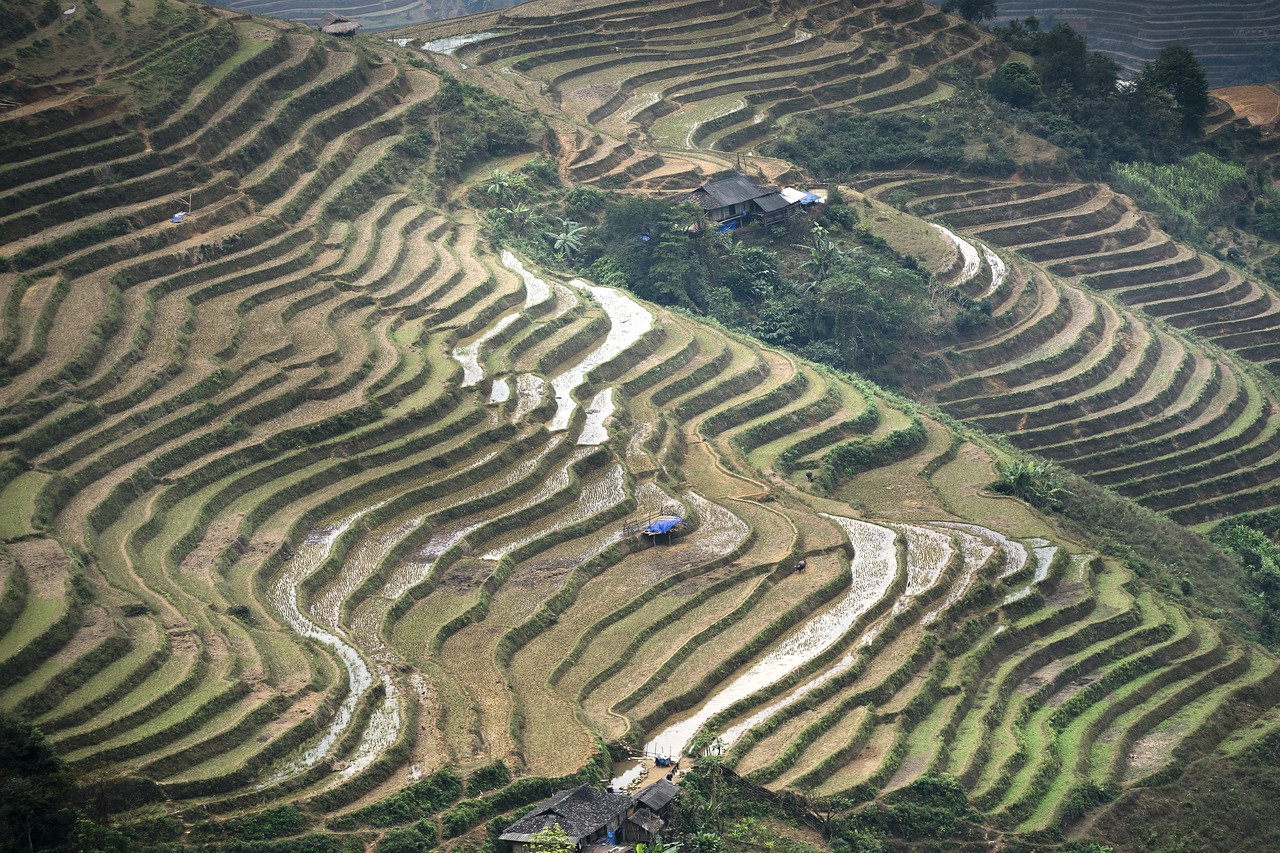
(337, 25)
(586, 814)
(738, 198)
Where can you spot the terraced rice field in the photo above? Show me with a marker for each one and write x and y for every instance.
(654, 96)
(317, 493)
(1087, 361)
(1234, 43)
(371, 16)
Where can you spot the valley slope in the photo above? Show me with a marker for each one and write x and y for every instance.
(317, 499)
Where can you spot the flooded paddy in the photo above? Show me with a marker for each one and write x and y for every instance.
(602, 491)
(501, 391)
(628, 322)
(469, 356)
(998, 271)
(928, 553)
(599, 410)
(530, 389)
(1044, 553)
(968, 254)
(976, 551)
(626, 773)
(536, 291)
(283, 595)
(719, 530)
(872, 571)
(449, 45)
(1015, 553)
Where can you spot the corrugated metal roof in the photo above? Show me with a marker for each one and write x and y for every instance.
(658, 795)
(735, 190)
(772, 202)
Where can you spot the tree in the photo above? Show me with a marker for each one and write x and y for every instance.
(706, 842)
(551, 839)
(505, 187)
(1177, 71)
(1016, 85)
(1062, 61)
(823, 253)
(566, 242)
(35, 790)
(521, 215)
(971, 10)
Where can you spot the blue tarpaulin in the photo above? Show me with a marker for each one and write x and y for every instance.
(664, 525)
(731, 225)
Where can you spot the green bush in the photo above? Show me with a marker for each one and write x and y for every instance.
(488, 778)
(420, 837)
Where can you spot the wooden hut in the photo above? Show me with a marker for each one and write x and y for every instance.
(337, 25)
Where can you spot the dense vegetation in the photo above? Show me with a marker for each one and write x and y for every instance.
(827, 288)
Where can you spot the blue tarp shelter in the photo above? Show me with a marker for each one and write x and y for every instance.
(663, 525)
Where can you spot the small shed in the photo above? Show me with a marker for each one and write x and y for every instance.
(801, 197)
(641, 826)
(337, 25)
(658, 796)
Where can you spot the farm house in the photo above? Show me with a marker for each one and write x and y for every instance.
(737, 200)
(595, 820)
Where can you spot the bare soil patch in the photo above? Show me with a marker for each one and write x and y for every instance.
(1259, 105)
(46, 566)
(222, 533)
(465, 575)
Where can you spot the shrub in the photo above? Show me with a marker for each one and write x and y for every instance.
(408, 840)
(488, 778)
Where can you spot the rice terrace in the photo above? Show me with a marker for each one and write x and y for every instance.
(721, 425)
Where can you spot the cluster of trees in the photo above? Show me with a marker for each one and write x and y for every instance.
(836, 145)
(1087, 109)
(41, 806)
(826, 289)
(831, 293)
(1258, 553)
(971, 10)
(1187, 197)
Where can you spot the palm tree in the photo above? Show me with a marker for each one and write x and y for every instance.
(823, 253)
(521, 214)
(659, 846)
(568, 241)
(504, 187)
(1036, 483)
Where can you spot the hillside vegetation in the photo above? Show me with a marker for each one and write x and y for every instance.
(320, 509)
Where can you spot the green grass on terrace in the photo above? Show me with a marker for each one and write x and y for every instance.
(17, 504)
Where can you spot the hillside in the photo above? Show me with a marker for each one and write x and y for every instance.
(320, 509)
(1235, 41)
(1062, 306)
